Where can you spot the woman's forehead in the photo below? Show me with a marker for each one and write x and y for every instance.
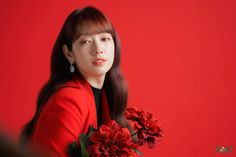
(94, 26)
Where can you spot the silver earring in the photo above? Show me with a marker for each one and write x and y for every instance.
(72, 68)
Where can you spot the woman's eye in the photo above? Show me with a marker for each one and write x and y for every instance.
(106, 39)
(84, 42)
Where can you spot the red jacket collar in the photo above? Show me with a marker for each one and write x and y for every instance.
(77, 82)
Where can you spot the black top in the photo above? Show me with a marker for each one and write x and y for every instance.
(98, 101)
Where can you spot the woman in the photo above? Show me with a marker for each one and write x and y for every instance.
(86, 87)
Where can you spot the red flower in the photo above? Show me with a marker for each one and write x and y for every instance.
(146, 127)
(111, 141)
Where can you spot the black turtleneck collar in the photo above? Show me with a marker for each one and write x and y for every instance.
(97, 97)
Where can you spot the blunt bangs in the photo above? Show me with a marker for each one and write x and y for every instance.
(92, 21)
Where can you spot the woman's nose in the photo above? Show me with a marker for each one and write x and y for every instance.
(97, 48)
(98, 52)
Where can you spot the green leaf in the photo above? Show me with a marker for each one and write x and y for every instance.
(73, 149)
(85, 139)
(84, 151)
(91, 130)
(138, 152)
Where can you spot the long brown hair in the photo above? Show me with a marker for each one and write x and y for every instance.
(88, 20)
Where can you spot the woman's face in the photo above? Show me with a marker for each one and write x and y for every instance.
(93, 54)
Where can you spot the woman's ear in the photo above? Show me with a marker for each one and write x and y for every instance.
(68, 54)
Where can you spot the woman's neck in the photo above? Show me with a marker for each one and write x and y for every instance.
(96, 82)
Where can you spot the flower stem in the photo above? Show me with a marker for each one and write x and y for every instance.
(134, 134)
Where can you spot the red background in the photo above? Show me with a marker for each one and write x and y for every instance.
(178, 58)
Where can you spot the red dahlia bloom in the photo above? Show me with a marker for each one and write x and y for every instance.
(111, 141)
(146, 127)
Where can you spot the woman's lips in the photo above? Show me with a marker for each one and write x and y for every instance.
(99, 61)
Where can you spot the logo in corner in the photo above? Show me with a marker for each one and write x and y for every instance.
(224, 149)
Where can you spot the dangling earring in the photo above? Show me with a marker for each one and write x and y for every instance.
(72, 68)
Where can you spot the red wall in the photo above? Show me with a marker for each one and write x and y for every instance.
(178, 58)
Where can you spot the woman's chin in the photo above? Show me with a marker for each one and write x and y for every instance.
(100, 71)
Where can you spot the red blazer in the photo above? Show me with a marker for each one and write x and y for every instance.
(70, 111)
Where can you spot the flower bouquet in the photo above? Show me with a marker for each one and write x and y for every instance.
(112, 140)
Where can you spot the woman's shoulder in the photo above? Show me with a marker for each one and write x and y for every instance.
(74, 86)
(74, 91)
(77, 83)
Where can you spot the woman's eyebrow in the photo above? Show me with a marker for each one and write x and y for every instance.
(87, 35)
(84, 36)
